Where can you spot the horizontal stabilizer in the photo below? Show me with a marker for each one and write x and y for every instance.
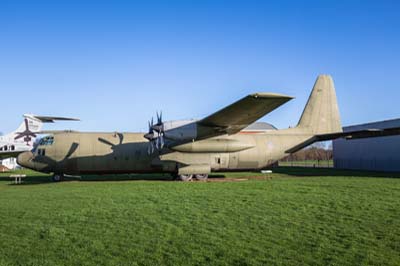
(359, 134)
(50, 119)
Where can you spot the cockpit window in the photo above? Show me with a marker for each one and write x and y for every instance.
(46, 141)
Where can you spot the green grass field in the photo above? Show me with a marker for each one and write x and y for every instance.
(299, 217)
(308, 163)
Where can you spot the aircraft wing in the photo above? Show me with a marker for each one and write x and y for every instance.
(244, 112)
(358, 134)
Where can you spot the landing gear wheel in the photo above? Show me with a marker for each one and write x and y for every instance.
(58, 177)
(185, 178)
(201, 177)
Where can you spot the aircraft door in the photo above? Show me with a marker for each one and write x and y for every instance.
(233, 160)
(219, 161)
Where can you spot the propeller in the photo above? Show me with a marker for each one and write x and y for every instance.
(155, 135)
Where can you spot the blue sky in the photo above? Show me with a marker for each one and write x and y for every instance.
(114, 63)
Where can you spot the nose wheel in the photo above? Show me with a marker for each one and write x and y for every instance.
(57, 177)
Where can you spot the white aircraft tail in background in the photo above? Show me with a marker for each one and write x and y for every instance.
(23, 138)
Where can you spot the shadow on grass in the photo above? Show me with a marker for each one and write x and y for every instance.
(125, 177)
(34, 178)
(29, 180)
(308, 171)
(43, 179)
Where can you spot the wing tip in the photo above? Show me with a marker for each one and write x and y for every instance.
(270, 95)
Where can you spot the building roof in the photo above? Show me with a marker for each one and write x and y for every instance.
(259, 126)
(3, 168)
(374, 125)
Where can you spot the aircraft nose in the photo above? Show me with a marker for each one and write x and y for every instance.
(25, 159)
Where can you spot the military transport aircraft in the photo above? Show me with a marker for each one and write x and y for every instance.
(23, 138)
(194, 148)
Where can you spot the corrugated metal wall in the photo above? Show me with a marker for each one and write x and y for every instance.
(376, 154)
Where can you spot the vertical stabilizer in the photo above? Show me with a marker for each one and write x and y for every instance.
(321, 114)
(26, 131)
(30, 123)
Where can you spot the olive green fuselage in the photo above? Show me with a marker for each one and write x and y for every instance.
(78, 153)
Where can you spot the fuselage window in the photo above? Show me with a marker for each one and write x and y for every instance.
(12, 147)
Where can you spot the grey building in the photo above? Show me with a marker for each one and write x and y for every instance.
(375, 154)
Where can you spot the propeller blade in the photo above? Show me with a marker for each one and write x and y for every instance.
(150, 148)
(162, 141)
(159, 118)
(158, 143)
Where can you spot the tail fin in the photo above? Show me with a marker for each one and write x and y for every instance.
(27, 129)
(321, 114)
(29, 123)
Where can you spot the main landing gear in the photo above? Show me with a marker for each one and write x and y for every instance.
(201, 177)
(187, 178)
(58, 177)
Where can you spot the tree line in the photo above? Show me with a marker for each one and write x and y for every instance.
(316, 152)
